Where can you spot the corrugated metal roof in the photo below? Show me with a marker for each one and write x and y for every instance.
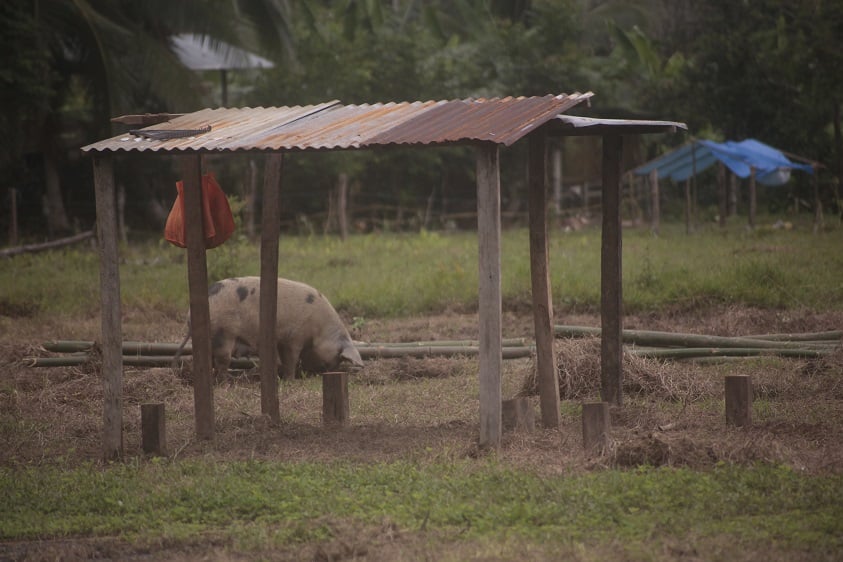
(331, 125)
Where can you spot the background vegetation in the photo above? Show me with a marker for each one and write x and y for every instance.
(759, 68)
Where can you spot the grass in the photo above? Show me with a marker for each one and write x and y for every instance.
(426, 497)
(296, 503)
(394, 275)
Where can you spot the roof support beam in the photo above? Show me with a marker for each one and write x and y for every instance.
(548, 382)
(270, 229)
(112, 339)
(611, 289)
(197, 280)
(489, 235)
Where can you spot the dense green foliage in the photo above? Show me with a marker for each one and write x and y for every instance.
(378, 275)
(760, 68)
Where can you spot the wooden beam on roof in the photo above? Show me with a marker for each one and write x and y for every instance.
(112, 339)
(489, 235)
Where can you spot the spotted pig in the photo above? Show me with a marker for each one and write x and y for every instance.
(307, 329)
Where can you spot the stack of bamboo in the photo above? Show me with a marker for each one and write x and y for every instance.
(662, 345)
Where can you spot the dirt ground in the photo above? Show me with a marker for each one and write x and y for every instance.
(426, 409)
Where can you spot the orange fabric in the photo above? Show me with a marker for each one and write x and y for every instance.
(216, 215)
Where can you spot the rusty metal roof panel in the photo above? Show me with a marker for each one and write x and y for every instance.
(332, 125)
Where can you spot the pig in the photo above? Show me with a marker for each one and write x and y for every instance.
(307, 327)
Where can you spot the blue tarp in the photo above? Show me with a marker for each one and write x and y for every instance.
(771, 166)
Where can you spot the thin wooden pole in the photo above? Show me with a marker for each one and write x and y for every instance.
(548, 383)
(270, 229)
(611, 296)
(197, 278)
(818, 204)
(688, 206)
(722, 203)
(489, 234)
(752, 198)
(655, 208)
(112, 329)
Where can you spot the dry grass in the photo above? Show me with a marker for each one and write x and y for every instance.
(426, 409)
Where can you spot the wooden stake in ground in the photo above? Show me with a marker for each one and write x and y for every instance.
(153, 429)
(335, 410)
(518, 415)
(596, 426)
(738, 400)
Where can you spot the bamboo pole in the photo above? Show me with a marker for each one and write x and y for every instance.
(671, 339)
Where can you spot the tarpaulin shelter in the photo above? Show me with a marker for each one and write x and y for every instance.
(771, 166)
(749, 158)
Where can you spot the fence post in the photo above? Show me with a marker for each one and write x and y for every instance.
(738, 400)
(596, 426)
(153, 429)
(335, 410)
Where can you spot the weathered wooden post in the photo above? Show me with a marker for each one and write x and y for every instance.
(153, 429)
(270, 229)
(518, 415)
(753, 205)
(197, 278)
(655, 207)
(596, 426)
(611, 292)
(489, 235)
(548, 383)
(112, 329)
(722, 203)
(335, 410)
(738, 400)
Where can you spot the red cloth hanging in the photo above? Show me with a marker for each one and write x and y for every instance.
(216, 215)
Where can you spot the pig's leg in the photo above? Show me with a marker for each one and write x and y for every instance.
(289, 357)
(222, 346)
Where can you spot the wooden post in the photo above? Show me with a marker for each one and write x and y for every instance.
(722, 203)
(153, 429)
(596, 426)
(818, 204)
(688, 206)
(752, 198)
(733, 194)
(738, 400)
(518, 415)
(655, 208)
(342, 205)
(556, 180)
(197, 277)
(489, 234)
(112, 329)
(548, 382)
(270, 229)
(13, 223)
(611, 293)
(335, 410)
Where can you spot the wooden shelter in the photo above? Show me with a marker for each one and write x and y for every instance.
(486, 124)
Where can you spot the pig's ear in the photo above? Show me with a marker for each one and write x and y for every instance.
(349, 353)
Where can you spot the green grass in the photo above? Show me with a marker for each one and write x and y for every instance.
(380, 275)
(290, 503)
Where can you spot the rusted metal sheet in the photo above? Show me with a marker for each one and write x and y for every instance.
(331, 125)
